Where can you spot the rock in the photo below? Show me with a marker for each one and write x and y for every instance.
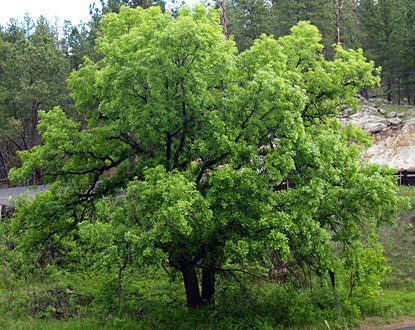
(394, 147)
(369, 110)
(374, 127)
(400, 114)
(391, 114)
(409, 125)
(395, 121)
(360, 98)
(382, 111)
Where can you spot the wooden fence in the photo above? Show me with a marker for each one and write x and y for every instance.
(406, 178)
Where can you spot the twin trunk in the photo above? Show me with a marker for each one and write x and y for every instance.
(191, 284)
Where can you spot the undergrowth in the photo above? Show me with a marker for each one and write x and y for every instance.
(63, 299)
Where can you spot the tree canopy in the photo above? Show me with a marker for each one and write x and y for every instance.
(225, 158)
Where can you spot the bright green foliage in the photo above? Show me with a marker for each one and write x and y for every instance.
(226, 159)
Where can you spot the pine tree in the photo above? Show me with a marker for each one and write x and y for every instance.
(33, 77)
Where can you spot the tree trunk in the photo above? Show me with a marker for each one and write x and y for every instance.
(333, 285)
(337, 21)
(208, 284)
(399, 91)
(389, 94)
(223, 19)
(119, 290)
(193, 298)
(6, 169)
(408, 95)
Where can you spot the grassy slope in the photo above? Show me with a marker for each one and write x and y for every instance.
(166, 310)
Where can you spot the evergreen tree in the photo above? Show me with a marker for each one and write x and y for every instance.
(247, 20)
(33, 77)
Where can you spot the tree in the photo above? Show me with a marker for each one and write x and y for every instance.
(78, 42)
(248, 19)
(33, 77)
(403, 45)
(389, 41)
(226, 159)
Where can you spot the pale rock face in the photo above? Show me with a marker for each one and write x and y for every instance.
(394, 138)
(395, 148)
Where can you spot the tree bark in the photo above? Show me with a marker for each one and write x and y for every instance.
(208, 285)
(191, 284)
(6, 169)
(337, 21)
(223, 19)
(333, 286)
(119, 291)
(399, 91)
(389, 94)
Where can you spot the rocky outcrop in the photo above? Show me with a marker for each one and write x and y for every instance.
(394, 137)
(372, 119)
(394, 148)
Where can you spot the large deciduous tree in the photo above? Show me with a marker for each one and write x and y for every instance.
(226, 159)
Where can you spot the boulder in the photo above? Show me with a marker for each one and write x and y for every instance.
(369, 110)
(361, 99)
(374, 127)
(391, 114)
(395, 121)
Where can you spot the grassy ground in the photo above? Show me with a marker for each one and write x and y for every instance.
(406, 110)
(399, 286)
(160, 303)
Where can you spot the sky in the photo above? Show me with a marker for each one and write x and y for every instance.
(60, 10)
(54, 10)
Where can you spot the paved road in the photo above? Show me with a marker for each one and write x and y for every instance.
(8, 196)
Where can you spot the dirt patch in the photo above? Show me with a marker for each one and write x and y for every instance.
(377, 323)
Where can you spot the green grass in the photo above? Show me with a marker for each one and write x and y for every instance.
(404, 109)
(153, 302)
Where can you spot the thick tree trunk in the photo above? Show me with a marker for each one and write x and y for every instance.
(208, 284)
(193, 298)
